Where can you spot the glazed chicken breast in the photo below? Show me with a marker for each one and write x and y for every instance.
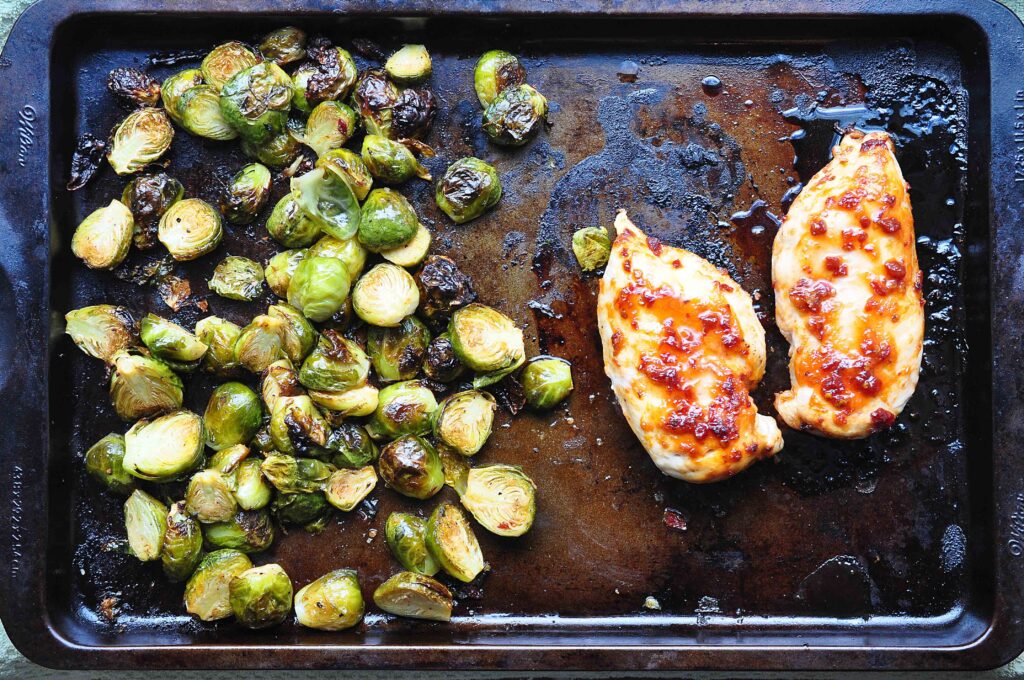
(848, 294)
(683, 348)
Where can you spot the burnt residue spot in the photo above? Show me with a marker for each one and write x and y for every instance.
(953, 547)
(86, 160)
(840, 587)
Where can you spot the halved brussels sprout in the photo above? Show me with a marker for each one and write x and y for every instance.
(501, 497)
(200, 114)
(101, 331)
(406, 536)
(397, 353)
(332, 602)
(247, 193)
(255, 101)
(295, 475)
(351, 447)
(346, 488)
(496, 71)
(374, 98)
(337, 364)
(546, 381)
(252, 491)
(142, 386)
(391, 162)
(104, 461)
(350, 167)
(297, 427)
(385, 295)
(139, 140)
(183, 544)
(404, 408)
(171, 343)
(441, 364)
(280, 269)
(261, 597)
(319, 287)
(328, 75)
(260, 343)
(515, 116)
(148, 197)
(172, 89)
(387, 221)
(246, 531)
(327, 200)
(219, 335)
(103, 238)
(165, 448)
(413, 252)
(284, 46)
(409, 65)
(291, 227)
(486, 340)
(225, 61)
(468, 188)
(410, 465)
(145, 519)
(451, 541)
(190, 228)
(232, 416)
(207, 591)
(414, 596)
(308, 509)
(278, 151)
(356, 402)
(279, 380)
(348, 251)
(463, 421)
(444, 288)
(413, 114)
(237, 278)
(592, 247)
(329, 126)
(298, 337)
(209, 497)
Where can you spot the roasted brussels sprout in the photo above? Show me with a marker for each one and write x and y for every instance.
(456, 468)
(486, 340)
(237, 278)
(501, 497)
(255, 101)
(348, 251)
(279, 380)
(328, 75)
(496, 71)
(327, 200)
(346, 488)
(260, 343)
(463, 421)
(199, 113)
(133, 87)
(148, 197)
(451, 542)
(190, 228)
(278, 151)
(232, 416)
(165, 448)
(414, 596)
(413, 252)
(351, 447)
(356, 402)
(225, 61)
(350, 167)
(515, 116)
(397, 353)
(387, 221)
(374, 98)
(227, 461)
(546, 381)
(295, 475)
(591, 246)
(175, 86)
(246, 531)
(252, 492)
(291, 227)
(171, 343)
(247, 193)
(391, 162)
(329, 126)
(261, 597)
(209, 497)
(103, 238)
(219, 335)
(443, 289)
(337, 364)
(413, 114)
(308, 509)
(406, 536)
(385, 295)
(410, 465)
(441, 364)
(319, 287)
(298, 337)
(145, 520)
(404, 408)
(207, 591)
(409, 65)
(183, 544)
(468, 188)
(139, 140)
(281, 268)
(101, 331)
(142, 386)
(297, 427)
(332, 602)
(104, 461)
(284, 46)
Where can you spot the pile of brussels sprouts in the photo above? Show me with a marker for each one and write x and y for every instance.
(339, 381)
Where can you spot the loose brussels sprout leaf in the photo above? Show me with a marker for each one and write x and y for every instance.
(350, 167)
(284, 46)
(387, 221)
(405, 535)
(190, 228)
(319, 287)
(133, 87)
(464, 420)
(219, 335)
(139, 140)
(260, 343)
(200, 114)
(209, 497)
(232, 416)
(374, 98)
(165, 448)
(546, 381)
(207, 591)
(279, 380)
(329, 126)
(414, 596)
(291, 227)
(397, 353)
(410, 465)
(225, 61)
(172, 89)
(356, 402)
(404, 408)
(413, 114)
(456, 468)
(280, 269)
(103, 238)
(496, 71)
(261, 597)
(145, 519)
(332, 602)
(101, 331)
(227, 461)
(104, 461)
(409, 65)
(247, 193)
(295, 475)
(183, 544)
(351, 446)
(248, 532)
(308, 509)
(237, 278)
(326, 198)
(515, 116)
(142, 386)
(252, 491)
(337, 364)
(484, 339)
(277, 152)
(468, 188)
(385, 295)
(263, 442)
(591, 246)
(482, 380)
(328, 75)
(297, 427)
(413, 252)
(148, 197)
(256, 100)
(444, 288)
(451, 541)
(348, 251)
(391, 162)
(345, 488)
(300, 78)
(502, 498)
(298, 337)
(441, 364)
(171, 343)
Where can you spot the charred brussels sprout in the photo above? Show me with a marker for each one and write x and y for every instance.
(139, 140)
(141, 386)
(403, 408)
(357, 402)
(284, 46)
(329, 126)
(319, 287)
(297, 427)
(277, 152)
(414, 596)
(307, 509)
(591, 246)
(209, 497)
(409, 65)
(232, 416)
(387, 221)
(148, 197)
(279, 380)
(145, 519)
(413, 114)
(225, 61)
(291, 227)
(261, 597)
(103, 238)
(406, 536)
(175, 86)
(451, 541)
(374, 98)
(237, 278)
(468, 188)
(496, 71)
(502, 498)
(190, 228)
(328, 75)
(207, 591)
(441, 364)
(346, 488)
(397, 353)
(515, 116)
(464, 420)
(413, 252)
(171, 343)
(391, 162)
(133, 87)
(443, 289)
(219, 335)
(337, 364)
(410, 465)
(183, 544)
(255, 101)
(350, 167)
(252, 492)
(332, 602)
(247, 193)
(104, 461)
(260, 343)
(199, 113)
(248, 532)
(101, 331)
(298, 337)
(280, 269)
(348, 251)
(546, 381)
(295, 475)
(326, 199)
(351, 446)
(486, 340)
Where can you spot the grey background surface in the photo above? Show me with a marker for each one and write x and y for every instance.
(14, 665)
